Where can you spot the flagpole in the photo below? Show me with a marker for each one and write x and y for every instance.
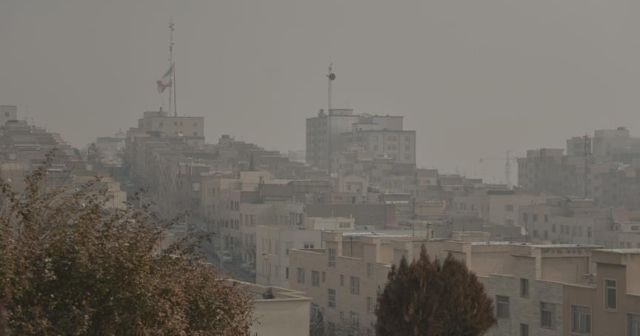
(175, 90)
(171, 90)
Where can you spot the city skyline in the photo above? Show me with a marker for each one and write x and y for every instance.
(456, 75)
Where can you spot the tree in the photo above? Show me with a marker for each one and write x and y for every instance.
(433, 299)
(70, 266)
(316, 322)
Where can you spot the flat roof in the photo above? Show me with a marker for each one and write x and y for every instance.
(622, 251)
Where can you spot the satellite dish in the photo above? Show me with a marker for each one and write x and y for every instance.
(331, 76)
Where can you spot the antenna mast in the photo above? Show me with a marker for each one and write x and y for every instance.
(585, 176)
(507, 170)
(331, 77)
(172, 91)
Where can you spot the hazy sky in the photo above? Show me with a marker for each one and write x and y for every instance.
(473, 77)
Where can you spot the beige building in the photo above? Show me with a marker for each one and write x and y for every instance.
(495, 207)
(330, 223)
(285, 314)
(564, 220)
(342, 279)
(610, 305)
(273, 244)
(353, 184)
(173, 126)
(537, 289)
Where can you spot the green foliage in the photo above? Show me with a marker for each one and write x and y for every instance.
(433, 299)
(71, 266)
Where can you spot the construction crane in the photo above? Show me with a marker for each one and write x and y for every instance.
(507, 166)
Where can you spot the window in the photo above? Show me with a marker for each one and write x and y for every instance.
(610, 294)
(286, 273)
(553, 228)
(341, 280)
(308, 245)
(509, 207)
(634, 325)
(332, 298)
(331, 328)
(355, 320)
(524, 288)
(300, 275)
(370, 305)
(332, 257)
(547, 315)
(524, 329)
(315, 279)
(355, 285)
(580, 319)
(324, 277)
(502, 307)
(369, 270)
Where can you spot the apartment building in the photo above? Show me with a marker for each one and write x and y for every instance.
(554, 289)
(24, 147)
(397, 145)
(495, 207)
(275, 243)
(174, 126)
(579, 146)
(542, 170)
(610, 142)
(565, 220)
(327, 134)
(273, 247)
(343, 277)
(610, 304)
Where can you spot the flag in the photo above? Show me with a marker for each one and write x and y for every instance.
(165, 81)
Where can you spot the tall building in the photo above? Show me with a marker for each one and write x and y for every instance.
(173, 126)
(330, 133)
(611, 141)
(579, 146)
(542, 170)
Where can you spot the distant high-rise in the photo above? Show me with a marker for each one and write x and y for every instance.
(579, 146)
(176, 126)
(382, 136)
(607, 142)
